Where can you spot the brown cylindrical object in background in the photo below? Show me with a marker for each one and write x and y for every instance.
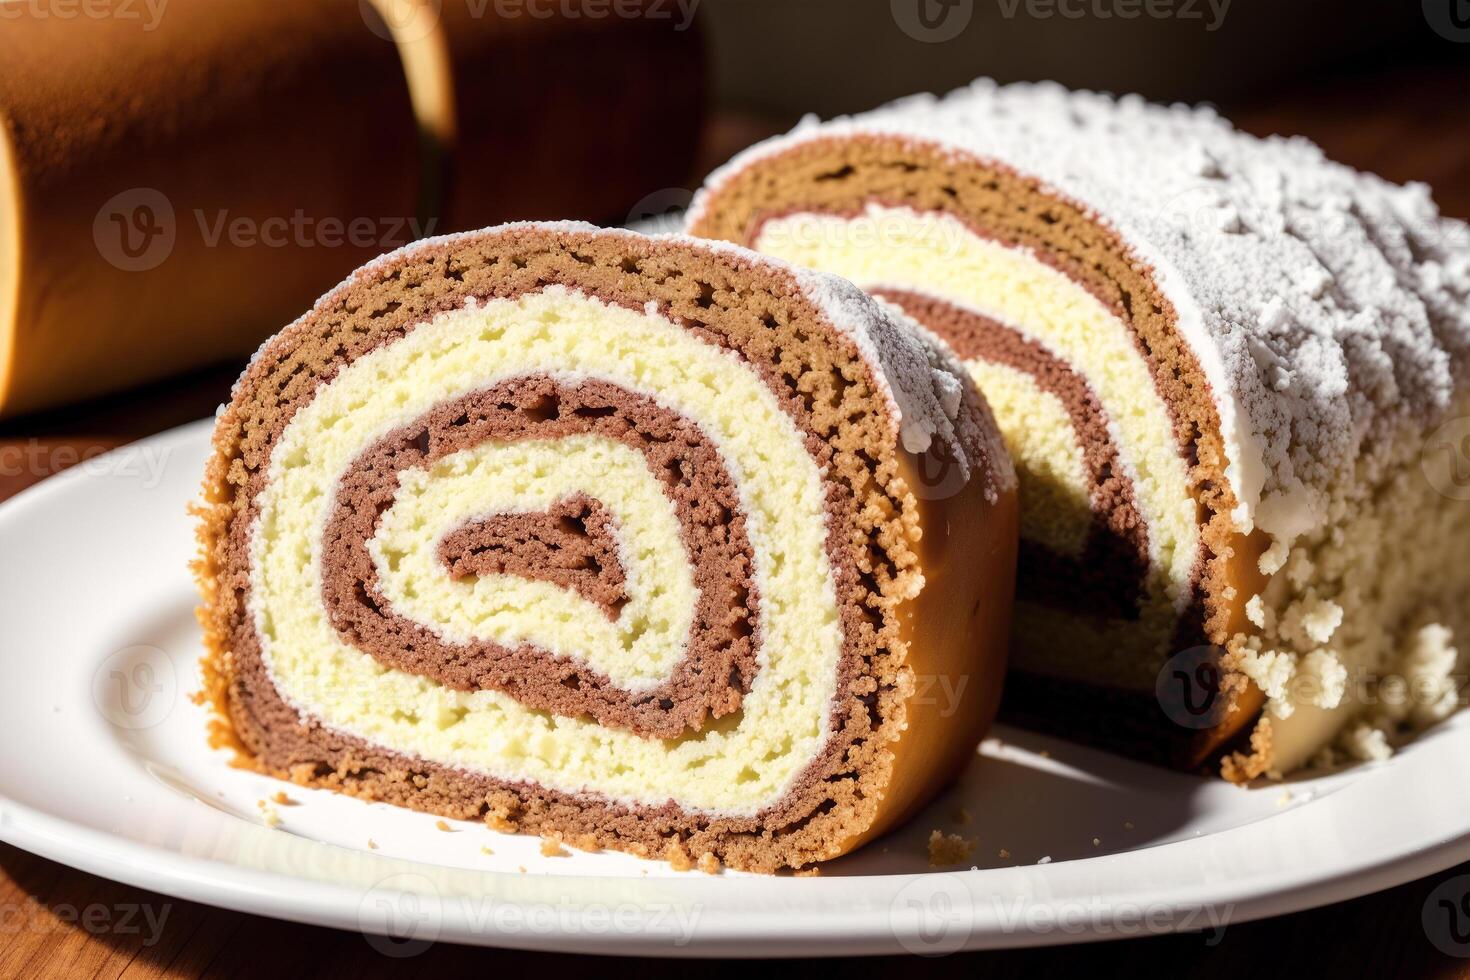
(545, 109)
(179, 180)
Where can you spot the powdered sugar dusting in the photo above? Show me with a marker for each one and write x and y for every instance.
(925, 391)
(1327, 307)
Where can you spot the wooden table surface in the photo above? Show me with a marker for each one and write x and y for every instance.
(1411, 124)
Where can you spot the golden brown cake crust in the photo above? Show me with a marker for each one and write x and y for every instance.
(891, 745)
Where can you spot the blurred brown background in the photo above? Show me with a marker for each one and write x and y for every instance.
(786, 57)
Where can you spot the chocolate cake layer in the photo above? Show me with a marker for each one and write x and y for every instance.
(1107, 578)
(720, 659)
(571, 544)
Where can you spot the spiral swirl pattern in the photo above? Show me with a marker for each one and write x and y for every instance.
(599, 546)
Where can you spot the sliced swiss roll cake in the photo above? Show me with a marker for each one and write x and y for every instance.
(1218, 362)
(651, 543)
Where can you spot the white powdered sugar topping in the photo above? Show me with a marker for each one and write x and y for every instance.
(1327, 308)
(924, 390)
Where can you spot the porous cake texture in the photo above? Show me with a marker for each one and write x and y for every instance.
(636, 541)
(1219, 363)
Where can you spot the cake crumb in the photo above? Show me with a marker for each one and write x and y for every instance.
(521, 869)
(677, 856)
(551, 847)
(1044, 859)
(268, 814)
(441, 825)
(372, 844)
(485, 850)
(812, 872)
(1366, 743)
(497, 820)
(1274, 557)
(708, 863)
(1004, 854)
(1127, 824)
(281, 799)
(946, 849)
(1045, 753)
(1097, 842)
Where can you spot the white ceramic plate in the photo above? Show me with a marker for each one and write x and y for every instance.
(105, 767)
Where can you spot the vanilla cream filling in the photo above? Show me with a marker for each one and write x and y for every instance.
(739, 766)
(1055, 490)
(937, 254)
(637, 651)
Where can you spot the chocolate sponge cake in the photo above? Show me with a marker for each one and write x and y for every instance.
(652, 543)
(1218, 362)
